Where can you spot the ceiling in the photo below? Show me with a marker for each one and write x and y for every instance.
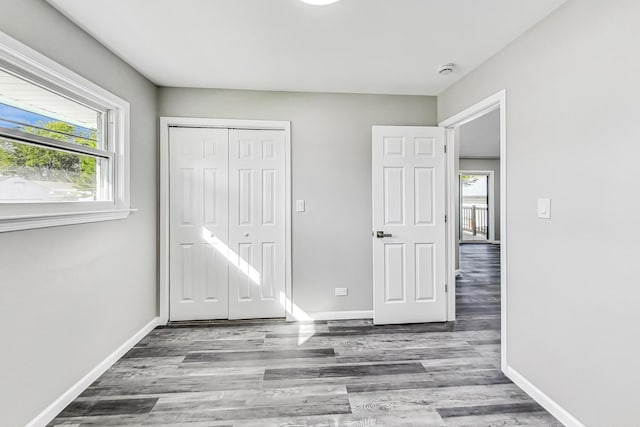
(480, 138)
(353, 46)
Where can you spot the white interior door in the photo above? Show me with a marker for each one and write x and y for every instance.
(256, 223)
(409, 224)
(198, 223)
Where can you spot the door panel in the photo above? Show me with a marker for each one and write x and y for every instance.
(424, 196)
(409, 208)
(425, 269)
(256, 223)
(393, 196)
(198, 224)
(394, 273)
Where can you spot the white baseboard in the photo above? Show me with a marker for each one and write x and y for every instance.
(545, 401)
(342, 315)
(68, 396)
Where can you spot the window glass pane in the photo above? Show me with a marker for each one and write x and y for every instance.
(474, 212)
(27, 107)
(29, 173)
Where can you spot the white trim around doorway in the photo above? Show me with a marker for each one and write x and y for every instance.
(168, 122)
(494, 102)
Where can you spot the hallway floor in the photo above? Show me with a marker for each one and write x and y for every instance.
(336, 373)
(469, 237)
(478, 289)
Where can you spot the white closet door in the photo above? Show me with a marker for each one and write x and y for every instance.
(198, 224)
(256, 224)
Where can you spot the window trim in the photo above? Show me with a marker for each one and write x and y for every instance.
(69, 147)
(27, 215)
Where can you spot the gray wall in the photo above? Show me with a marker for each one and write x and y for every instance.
(331, 170)
(69, 296)
(488, 165)
(572, 132)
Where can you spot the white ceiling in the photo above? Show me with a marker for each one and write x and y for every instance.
(480, 138)
(357, 46)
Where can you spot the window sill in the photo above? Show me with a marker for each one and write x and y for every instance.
(25, 222)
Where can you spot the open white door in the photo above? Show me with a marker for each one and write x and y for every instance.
(409, 224)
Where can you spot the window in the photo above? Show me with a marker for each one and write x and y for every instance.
(63, 144)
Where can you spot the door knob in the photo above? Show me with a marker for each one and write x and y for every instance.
(381, 234)
(246, 234)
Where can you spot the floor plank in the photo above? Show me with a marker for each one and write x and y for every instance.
(334, 373)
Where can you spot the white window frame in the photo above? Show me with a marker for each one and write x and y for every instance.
(21, 216)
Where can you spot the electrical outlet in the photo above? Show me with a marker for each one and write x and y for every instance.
(341, 292)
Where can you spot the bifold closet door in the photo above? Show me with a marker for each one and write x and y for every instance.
(256, 223)
(198, 217)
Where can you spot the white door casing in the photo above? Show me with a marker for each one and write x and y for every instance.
(257, 229)
(198, 186)
(409, 266)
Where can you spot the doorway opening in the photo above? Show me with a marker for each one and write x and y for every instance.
(476, 138)
(477, 286)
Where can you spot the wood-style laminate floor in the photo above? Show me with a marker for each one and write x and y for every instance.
(336, 373)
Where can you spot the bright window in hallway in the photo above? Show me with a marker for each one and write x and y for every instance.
(474, 207)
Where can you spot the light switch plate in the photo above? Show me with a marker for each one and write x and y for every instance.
(341, 292)
(299, 205)
(544, 208)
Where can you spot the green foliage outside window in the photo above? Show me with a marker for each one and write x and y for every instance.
(44, 164)
(468, 180)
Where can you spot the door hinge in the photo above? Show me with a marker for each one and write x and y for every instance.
(446, 288)
(445, 218)
(445, 149)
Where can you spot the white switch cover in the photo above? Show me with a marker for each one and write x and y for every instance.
(341, 292)
(544, 208)
(299, 205)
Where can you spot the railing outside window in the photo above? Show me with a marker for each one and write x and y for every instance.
(475, 220)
